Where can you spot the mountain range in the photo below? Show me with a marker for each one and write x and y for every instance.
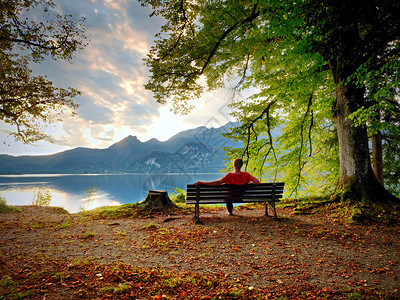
(192, 151)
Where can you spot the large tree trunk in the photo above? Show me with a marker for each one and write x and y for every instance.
(357, 179)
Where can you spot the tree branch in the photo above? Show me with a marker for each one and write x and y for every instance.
(249, 19)
(244, 73)
(180, 34)
(309, 131)
(301, 164)
(251, 127)
(322, 69)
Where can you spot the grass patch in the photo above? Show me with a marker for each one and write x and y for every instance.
(7, 209)
(112, 212)
(345, 211)
(120, 288)
(56, 210)
(87, 235)
(130, 210)
(6, 281)
(9, 288)
(305, 203)
(64, 225)
(151, 225)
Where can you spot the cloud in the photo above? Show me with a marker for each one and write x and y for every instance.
(111, 75)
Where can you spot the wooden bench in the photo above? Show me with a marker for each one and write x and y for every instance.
(270, 193)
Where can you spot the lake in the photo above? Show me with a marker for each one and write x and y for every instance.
(76, 192)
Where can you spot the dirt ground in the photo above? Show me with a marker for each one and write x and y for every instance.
(297, 251)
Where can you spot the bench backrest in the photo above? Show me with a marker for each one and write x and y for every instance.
(263, 192)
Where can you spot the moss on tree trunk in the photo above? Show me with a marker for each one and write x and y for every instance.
(357, 179)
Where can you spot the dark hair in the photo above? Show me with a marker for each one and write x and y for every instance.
(238, 163)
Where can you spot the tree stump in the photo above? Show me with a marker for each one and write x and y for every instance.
(157, 201)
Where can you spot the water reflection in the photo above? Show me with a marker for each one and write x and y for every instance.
(77, 192)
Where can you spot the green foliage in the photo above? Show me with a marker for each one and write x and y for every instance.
(41, 197)
(382, 113)
(301, 150)
(30, 102)
(90, 191)
(295, 58)
(4, 208)
(391, 163)
(179, 196)
(382, 80)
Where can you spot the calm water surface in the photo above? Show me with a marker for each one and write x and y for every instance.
(84, 192)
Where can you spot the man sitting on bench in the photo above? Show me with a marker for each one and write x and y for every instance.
(236, 178)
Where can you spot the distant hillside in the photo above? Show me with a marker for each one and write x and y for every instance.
(196, 150)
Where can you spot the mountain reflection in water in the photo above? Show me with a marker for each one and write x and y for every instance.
(77, 192)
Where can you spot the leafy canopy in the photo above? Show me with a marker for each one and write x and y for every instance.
(31, 30)
(292, 54)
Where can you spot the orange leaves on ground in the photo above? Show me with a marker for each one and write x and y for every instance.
(164, 239)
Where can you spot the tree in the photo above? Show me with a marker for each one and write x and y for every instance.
(391, 150)
(390, 146)
(30, 102)
(315, 64)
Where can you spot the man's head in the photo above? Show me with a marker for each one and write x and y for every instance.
(238, 163)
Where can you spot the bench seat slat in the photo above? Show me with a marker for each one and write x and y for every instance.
(251, 186)
(226, 190)
(228, 187)
(217, 201)
(222, 197)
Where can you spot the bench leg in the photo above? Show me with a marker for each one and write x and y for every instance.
(274, 210)
(197, 213)
(266, 209)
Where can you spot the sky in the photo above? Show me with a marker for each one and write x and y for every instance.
(111, 75)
